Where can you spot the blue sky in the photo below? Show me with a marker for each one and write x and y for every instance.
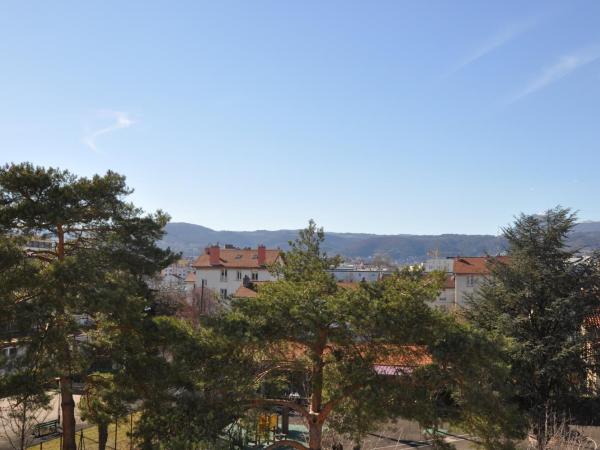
(390, 116)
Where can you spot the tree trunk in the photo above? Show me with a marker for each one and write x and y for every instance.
(23, 426)
(285, 420)
(102, 435)
(68, 403)
(315, 422)
(315, 435)
(147, 443)
(68, 414)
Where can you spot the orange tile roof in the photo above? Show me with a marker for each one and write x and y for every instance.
(475, 265)
(407, 355)
(391, 355)
(190, 278)
(244, 292)
(237, 258)
(593, 321)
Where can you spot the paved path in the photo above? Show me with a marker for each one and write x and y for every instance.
(43, 416)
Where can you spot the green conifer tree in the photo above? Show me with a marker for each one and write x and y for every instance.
(91, 280)
(537, 301)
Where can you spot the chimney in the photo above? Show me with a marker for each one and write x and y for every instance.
(262, 255)
(215, 255)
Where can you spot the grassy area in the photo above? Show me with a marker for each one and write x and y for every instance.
(90, 438)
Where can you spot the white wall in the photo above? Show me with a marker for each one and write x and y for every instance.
(442, 264)
(466, 285)
(357, 275)
(213, 278)
(445, 300)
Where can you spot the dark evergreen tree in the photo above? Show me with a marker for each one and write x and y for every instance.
(537, 300)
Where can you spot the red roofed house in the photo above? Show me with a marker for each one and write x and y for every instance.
(469, 275)
(223, 270)
(464, 275)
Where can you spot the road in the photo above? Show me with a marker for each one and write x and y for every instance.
(461, 442)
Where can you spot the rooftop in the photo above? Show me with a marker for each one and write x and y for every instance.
(236, 258)
(475, 265)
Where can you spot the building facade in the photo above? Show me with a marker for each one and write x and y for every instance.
(465, 275)
(222, 270)
(355, 273)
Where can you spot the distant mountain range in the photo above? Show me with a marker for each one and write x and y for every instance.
(191, 239)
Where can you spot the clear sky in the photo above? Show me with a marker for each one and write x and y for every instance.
(375, 116)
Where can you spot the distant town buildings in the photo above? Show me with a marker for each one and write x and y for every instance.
(353, 273)
(173, 277)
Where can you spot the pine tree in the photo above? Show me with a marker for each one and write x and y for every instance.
(92, 278)
(308, 334)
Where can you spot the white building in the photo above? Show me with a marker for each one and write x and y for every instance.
(354, 273)
(446, 300)
(223, 270)
(469, 275)
(465, 275)
(173, 276)
(439, 264)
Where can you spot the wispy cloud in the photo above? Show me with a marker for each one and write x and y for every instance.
(566, 65)
(119, 120)
(494, 42)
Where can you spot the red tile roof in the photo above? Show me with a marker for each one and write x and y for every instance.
(394, 356)
(479, 265)
(593, 321)
(237, 258)
(190, 278)
(244, 292)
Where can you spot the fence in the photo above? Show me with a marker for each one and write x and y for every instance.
(119, 437)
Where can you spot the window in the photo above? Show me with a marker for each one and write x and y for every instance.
(255, 275)
(471, 280)
(204, 282)
(223, 274)
(223, 293)
(239, 275)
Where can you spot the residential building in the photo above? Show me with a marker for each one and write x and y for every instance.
(352, 273)
(469, 275)
(173, 277)
(222, 270)
(465, 275)
(439, 264)
(446, 300)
